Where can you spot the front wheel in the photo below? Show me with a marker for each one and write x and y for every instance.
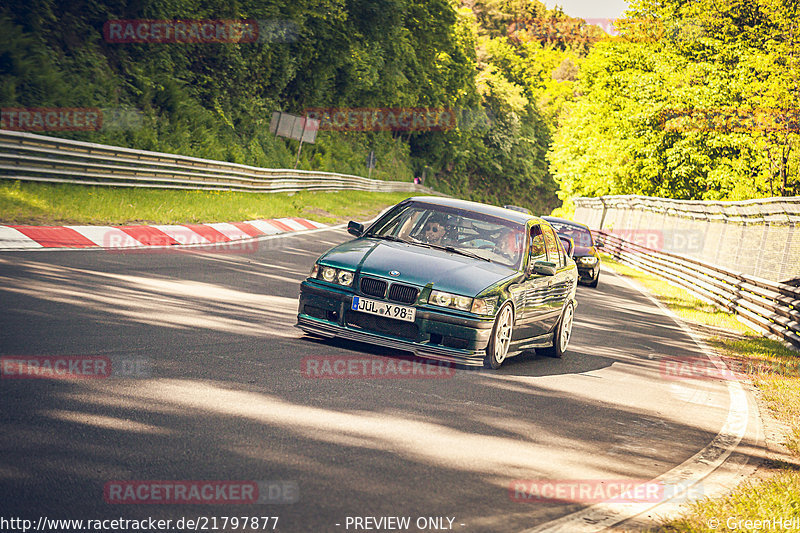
(562, 333)
(497, 349)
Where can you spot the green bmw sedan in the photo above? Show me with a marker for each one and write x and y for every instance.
(446, 279)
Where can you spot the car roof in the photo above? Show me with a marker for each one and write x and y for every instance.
(566, 222)
(493, 210)
(518, 208)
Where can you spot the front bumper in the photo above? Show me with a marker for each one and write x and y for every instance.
(587, 272)
(441, 336)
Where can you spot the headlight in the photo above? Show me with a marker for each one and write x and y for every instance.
(484, 306)
(328, 274)
(333, 275)
(445, 299)
(462, 302)
(344, 278)
(440, 298)
(588, 260)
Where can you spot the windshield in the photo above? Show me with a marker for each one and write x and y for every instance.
(581, 236)
(490, 238)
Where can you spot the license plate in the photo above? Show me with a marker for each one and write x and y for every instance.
(374, 307)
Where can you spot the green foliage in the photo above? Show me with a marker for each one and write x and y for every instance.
(215, 100)
(522, 85)
(694, 100)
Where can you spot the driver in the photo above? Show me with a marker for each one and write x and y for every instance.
(434, 230)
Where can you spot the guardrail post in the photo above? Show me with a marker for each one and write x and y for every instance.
(603, 215)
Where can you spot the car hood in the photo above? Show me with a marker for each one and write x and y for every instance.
(583, 251)
(417, 265)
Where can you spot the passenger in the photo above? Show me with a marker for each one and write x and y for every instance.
(508, 244)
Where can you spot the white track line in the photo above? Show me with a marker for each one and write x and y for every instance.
(688, 474)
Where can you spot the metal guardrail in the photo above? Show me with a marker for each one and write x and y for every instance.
(780, 210)
(760, 237)
(30, 157)
(770, 306)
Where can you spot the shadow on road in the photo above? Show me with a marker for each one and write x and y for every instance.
(226, 398)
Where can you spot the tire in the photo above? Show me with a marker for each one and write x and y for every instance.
(562, 333)
(497, 349)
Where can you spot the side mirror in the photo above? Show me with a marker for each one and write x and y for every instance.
(544, 268)
(599, 243)
(355, 228)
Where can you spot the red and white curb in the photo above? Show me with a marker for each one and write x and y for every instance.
(16, 237)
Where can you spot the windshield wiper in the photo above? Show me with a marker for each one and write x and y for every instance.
(455, 250)
(430, 245)
(388, 238)
(466, 253)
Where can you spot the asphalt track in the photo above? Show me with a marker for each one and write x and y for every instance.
(225, 394)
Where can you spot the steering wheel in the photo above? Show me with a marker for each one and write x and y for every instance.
(477, 242)
(502, 253)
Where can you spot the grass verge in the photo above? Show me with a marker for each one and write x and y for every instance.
(775, 371)
(58, 204)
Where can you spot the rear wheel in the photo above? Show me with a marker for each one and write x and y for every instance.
(562, 333)
(497, 349)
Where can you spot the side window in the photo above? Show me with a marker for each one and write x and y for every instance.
(562, 252)
(538, 251)
(551, 242)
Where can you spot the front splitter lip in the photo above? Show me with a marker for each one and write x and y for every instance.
(439, 353)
